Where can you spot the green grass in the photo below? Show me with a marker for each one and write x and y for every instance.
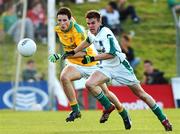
(154, 39)
(54, 123)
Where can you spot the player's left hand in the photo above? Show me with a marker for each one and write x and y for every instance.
(67, 54)
(88, 59)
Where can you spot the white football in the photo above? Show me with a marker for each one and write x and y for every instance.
(26, 47)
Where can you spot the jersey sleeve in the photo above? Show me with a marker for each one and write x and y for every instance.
(79, 35)
(109, 44)
(111, 49)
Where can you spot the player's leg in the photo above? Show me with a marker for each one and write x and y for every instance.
(121, 110)
(104, 76)
(92, 84)
(68, 75)
(127, 77)
(139, 92)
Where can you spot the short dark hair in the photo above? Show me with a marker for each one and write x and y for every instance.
(93, 14)
(30, 61)
(64, 11)
(126, 37)
(113, 4)
(148, 61)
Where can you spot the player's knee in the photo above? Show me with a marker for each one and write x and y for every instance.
(64, 78)
(89, 85)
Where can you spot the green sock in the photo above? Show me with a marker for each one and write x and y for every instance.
(104, 100)
(75, 108)
(123, 113)
(158, 112)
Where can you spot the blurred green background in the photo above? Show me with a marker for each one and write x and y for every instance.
(154, 39)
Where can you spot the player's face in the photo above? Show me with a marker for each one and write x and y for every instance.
(93, 25)
(63, 22)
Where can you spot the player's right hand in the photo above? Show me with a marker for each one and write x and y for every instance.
(88, 59)
(54, 57)
(67, 54)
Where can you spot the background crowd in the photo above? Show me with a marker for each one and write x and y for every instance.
(114, 15)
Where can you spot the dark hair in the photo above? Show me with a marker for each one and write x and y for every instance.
(113, 4)
(93, 14)
(30, 61)
(148, 61)
(126, 37)
(64, 11)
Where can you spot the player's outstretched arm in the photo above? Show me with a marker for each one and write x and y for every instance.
(54, 57)
(87, 59)
(79, 48)
(84, 44)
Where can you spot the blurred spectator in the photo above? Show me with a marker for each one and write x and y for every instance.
(60, 2)
(93, 0)
(174, 4)
(111, 18)
(79, 1)
(12, 24)
(63, 2)
(31, 3)
(30, 73)
(1, 6)
(151, 75)
(1, 30)
(38, 17)
(127, 10)
(129, 51)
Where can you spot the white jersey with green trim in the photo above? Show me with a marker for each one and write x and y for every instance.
(106, 42)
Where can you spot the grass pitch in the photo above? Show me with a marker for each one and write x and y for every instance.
(144, 122)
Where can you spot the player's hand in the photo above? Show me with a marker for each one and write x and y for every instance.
(87, 59)
(67, 54)
(54, 57)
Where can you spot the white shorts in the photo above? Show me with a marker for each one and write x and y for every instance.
(85, 72)
(122, 74)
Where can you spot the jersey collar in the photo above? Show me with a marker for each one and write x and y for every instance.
(99, 29)
(70, 26)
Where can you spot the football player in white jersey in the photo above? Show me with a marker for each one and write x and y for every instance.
(75, 70)
(113, 64)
